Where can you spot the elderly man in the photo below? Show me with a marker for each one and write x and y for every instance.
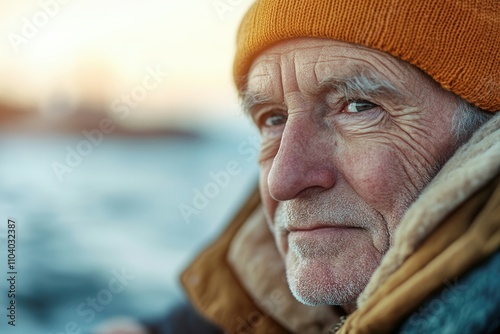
(380, 165)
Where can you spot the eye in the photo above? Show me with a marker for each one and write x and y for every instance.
(359, 106)
(274, 120)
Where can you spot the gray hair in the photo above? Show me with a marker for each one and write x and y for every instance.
(467, 118)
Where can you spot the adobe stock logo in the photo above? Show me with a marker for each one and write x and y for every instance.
(95, 304)
(225, 6)
(202, 197)
(121, 108)
(31, 25)
(220, 180)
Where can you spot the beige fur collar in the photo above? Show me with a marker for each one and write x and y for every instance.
(257, 263)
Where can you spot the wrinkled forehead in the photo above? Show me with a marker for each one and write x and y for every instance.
(303, 63)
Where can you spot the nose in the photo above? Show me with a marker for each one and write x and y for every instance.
(303, 162)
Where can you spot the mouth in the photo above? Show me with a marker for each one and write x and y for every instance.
(315, 234)
(320, 232)
(318, 227)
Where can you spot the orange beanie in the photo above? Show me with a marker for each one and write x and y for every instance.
(456, 42)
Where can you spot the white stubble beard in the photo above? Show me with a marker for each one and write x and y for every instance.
(312, 273)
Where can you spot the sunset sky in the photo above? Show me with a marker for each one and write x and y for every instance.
(94, 50)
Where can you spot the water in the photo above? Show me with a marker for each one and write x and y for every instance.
(116, 214)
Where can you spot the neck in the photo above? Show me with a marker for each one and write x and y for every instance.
(349, 308)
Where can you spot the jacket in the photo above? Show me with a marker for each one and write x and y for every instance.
(447, 240)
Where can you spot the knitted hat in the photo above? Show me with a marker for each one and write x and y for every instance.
(456, 42)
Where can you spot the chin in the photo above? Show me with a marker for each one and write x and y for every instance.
(328, 282)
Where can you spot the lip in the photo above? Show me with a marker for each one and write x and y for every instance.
(316, 235)
(322, 231)
(318, 227)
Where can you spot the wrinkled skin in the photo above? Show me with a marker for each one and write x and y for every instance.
(337, 172)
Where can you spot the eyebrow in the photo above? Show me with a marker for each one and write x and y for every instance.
(250, 100)
(362, 84)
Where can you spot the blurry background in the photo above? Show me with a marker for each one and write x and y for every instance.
(122, 153)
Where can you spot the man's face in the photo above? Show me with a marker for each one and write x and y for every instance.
(350, 136)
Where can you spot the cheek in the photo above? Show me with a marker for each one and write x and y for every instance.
(379, 178)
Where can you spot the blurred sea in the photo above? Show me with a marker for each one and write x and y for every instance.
(118, 211)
